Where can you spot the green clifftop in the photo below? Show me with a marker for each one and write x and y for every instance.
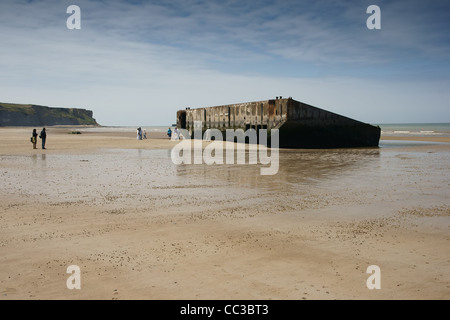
(35, 115)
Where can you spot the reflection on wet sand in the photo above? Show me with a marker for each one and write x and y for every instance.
(296, 167)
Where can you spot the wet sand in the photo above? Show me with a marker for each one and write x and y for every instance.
(141, 227)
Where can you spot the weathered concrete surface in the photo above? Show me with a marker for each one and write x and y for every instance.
(300, 125)
(34, 115)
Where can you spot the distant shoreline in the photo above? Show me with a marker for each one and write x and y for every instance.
(417, 138)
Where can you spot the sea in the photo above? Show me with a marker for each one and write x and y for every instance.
(415, 129)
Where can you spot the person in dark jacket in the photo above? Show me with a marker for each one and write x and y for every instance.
(34, 138)
(43, 137)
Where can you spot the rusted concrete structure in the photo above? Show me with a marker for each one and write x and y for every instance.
(300, 125)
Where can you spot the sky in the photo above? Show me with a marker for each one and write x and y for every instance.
(136, 63)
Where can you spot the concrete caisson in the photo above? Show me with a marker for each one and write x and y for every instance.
(300, 125)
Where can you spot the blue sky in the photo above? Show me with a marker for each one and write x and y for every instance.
(138, 62)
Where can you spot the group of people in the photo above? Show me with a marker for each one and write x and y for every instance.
(175, 135)
(141, 133)
(42, 136)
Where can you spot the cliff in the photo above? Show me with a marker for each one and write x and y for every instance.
(34, 115)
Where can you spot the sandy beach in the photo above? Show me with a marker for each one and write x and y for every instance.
(141, 227)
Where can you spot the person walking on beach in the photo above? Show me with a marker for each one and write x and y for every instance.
(34, 138)
(144, 135)
(169, 133)
(208, 135)
(139, 133)
(43, 137)
(177, 134)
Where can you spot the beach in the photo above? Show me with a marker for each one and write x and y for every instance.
(141, 227)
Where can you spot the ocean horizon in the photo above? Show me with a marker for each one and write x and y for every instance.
(415, 129)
